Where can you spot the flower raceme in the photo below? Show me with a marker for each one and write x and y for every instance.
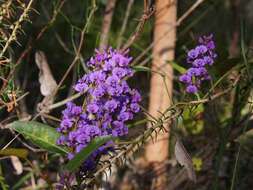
(108, 105)
(200, 57)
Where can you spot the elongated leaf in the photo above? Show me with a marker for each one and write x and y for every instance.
(185, 160)
(80, 157)
(40, 134)
(19, 152)
(142, 68)
(178, 68)
(22, 180)
(146, 69)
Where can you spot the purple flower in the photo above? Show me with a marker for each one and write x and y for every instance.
(199, 63)
(66, 123)
(109, 65)
(97, 76)
(70, 156)
(210, 45)
(80, 87)
(61, 140)
(124, 116)
(135, 107)
(192, 54)
(136, 97)
(92, 108)
(208, 60)
(125, 87)
(185, 78)
(119, 72)
(76, 110)
(109, 103)
(200, 57)
(98, 92)
(201, 49)
(112, 81)
(79, 147)
(121, 60)
(191, 89)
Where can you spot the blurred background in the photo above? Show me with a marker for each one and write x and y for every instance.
(217, 135)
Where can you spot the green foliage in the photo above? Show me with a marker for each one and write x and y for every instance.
(141, 69)
(40, 134)
(193, 119)
(3, 184)
(22, 180)
(80, 157)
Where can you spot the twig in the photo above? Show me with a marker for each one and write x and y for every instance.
(8, 144)
(123, 28)
(28, 49)
(146, 15)
(178, 23)
(63, 102)
(58, 104)
(13, 36)
(134, 146)
(25, 94)
(79, 48)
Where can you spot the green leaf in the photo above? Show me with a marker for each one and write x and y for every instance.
(80, 157)
(246, 140)
(146, 69)
(178, 68)
(141, 68)
(40, 134)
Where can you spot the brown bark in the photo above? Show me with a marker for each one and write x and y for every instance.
(160, 97)
(107, 24)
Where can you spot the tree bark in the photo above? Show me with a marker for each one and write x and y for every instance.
(160, 96)
(109, 10)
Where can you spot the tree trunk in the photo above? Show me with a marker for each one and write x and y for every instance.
(160, 98)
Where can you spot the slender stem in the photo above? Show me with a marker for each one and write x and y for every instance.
(63, 102)
(123, 28)
(16, 27)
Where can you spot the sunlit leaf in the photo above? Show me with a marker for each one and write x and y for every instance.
(19, 152)
(40, 134)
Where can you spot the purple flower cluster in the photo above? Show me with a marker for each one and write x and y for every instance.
(199, 57)
(109, 104)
